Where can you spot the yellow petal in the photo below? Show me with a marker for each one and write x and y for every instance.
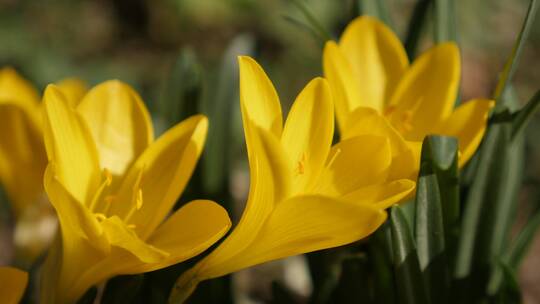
(342, 82)
(166, 168)
(468, 124)
(70, 146)
(22, 157)
(269, 184)
(427, 92)
(121, 236)
(377, 58)
(304, 224)
(188, 232)
(308, 132)
(15, 89)
(120, 124)
(76, 221)
(258, 97)
(366, 121)
(12, 284)
(73, 89)
(383, 195)
(355, 163)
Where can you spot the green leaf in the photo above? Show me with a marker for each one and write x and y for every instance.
(524, 115)
(445, 23)
(377, 9)
(380, 257)
(438, 155)
(410, 283)
(491, 204)
(510, 292)
(415, 27)
(523, 241)
(354, 285)
(219, 109)
(183, 90)
(513, 60)
(320, 31)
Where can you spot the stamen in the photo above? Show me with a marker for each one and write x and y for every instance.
(301, 164)
(104, 184)
(338, 151)
(136, 198)
(100, 216)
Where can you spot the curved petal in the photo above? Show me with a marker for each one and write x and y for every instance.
(166, 167)
(12, 284)
(258, 97)
(308, 132)
(377, 58)
(366, 121)
(121, 236)
(427, 92)
(73, 89)
(304, 224)
(343, 84)
(15, 89)
(468, 124)
(76, 221)
(189, 231)
(22, 157)
(383, 195)
(270, 182)
(355, 163)
(120, 124)
(70, 146)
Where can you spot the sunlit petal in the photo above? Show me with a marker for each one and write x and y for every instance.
(120, 124)
(308, 132)
(377, 58)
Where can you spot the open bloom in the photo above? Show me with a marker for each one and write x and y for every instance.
(12, 284)
(377, 92)
(23, 159)
(113, 186)
(304, 194)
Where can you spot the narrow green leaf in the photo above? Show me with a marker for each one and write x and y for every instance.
(522, 243)
(416, 27)
(354, 285)
(377, 9)
(218, 107)
(491, 203)
(524, 115)
(183, 90)
(410, 283)
(510, 292)
(512, 62)
(380, 257)
(318, 28)
(429, 232)
(445, 23)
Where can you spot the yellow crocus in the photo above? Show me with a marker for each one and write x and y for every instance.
(113, 186)
(376, 91)
(304, 194)
(23, 160)
(12, 284)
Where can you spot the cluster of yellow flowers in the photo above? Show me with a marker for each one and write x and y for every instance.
(113, 186)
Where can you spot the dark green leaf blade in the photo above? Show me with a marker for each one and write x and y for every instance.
(410, 283)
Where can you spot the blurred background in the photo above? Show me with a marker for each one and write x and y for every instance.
(180, 56)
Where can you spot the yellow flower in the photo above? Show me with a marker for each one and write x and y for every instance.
(12, 284)
(377, 92)
(304, 195)
(23, 160)
(113, 186)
